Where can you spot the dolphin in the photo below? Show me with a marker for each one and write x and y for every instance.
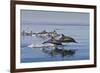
(63, 39)
(67, 39)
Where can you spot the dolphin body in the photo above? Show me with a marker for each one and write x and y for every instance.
(63, 39)
(67, 39)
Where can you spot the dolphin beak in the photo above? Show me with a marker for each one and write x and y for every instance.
(76, 42)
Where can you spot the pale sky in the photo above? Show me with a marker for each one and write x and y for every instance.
(53, 17)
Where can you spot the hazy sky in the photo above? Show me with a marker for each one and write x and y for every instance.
(53, 17)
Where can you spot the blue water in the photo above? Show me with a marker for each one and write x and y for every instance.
(79, 32)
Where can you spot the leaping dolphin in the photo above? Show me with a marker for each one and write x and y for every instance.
(63, 39)
(67, 39)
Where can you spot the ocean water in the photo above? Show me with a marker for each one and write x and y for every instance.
(79, 32)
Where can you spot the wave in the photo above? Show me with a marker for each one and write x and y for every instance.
(40, 45)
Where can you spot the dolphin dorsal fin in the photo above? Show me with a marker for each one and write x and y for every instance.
(63, 35)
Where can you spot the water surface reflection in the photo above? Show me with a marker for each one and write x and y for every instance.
(61, 52)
